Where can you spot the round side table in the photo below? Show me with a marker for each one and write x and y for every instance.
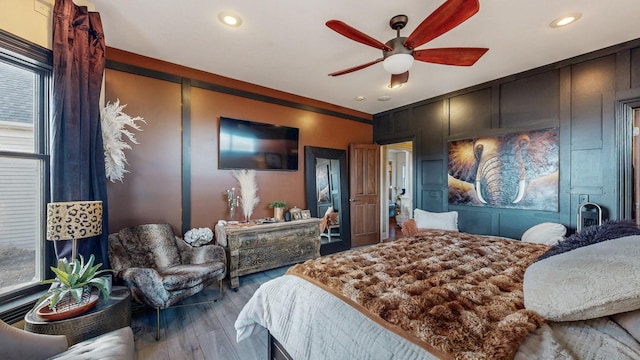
(106, 316)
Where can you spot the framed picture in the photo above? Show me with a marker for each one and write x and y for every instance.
(526, 155)
(296, 214)
(306, 214)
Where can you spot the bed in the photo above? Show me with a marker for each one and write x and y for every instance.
(443, 294)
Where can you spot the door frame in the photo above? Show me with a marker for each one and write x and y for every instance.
(626, 101)
(384, 204)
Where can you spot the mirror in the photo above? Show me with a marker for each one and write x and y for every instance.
(327, 188)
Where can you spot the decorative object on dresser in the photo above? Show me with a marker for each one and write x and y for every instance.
(233, 202)
(113, 122)
(296, 213)
(160, 268)
(248, 191)
(278, 207)
(74, 220)
(254, 248)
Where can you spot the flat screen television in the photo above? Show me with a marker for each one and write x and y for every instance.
(253, 145)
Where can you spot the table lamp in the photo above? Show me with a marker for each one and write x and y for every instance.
(74, 220)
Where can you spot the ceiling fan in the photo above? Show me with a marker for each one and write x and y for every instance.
(399, 53)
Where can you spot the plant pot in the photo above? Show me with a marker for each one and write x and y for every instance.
(68, 307)
(278, 213)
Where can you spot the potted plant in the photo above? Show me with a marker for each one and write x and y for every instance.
(278, 209)
(70, 293)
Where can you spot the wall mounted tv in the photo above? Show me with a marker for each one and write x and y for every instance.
(252, 145)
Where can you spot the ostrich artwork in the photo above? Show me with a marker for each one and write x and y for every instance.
(516, 171)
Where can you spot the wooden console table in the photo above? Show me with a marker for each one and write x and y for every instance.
(252, 248)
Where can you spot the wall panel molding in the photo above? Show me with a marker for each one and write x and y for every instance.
(186, 155)
(584, 96)
(141, 65)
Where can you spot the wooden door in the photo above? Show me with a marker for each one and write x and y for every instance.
(364, 192)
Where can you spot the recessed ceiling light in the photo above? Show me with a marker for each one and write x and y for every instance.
(565, 20)
(360, 98)
(384, 98)
(394, 86)
(229, 19)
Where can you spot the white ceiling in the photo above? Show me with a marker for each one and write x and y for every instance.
(285, 45)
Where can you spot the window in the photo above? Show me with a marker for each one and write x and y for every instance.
(25, 77)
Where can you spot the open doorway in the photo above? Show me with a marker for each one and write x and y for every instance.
(397, 188)
(627, 151)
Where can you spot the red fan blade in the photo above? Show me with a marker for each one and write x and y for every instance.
(450, 56)
(449, 15)
(399, 79)
(356, 68)
(356, 35)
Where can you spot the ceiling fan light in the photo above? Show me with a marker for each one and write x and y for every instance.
(398, 63)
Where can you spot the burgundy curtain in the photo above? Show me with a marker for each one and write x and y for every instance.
(77, 156)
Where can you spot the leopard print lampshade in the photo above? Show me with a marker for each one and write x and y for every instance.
(74, 220)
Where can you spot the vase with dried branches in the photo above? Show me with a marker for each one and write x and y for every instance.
(248, 191)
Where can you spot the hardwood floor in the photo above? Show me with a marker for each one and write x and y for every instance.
(203, 331)
(395, 232)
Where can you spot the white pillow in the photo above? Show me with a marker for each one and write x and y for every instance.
(431, 220)
(585, 283)
(546, 233)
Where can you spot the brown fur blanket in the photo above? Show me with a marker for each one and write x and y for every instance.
(455, 294)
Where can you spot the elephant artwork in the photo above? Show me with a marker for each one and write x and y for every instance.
(515, 171)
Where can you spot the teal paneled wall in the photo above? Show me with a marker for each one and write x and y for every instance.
(576, 95)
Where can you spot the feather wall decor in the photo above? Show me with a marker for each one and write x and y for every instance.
(248, 191)
(114, 122)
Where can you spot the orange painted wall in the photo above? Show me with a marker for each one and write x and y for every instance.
(208, 183)
(152, 191)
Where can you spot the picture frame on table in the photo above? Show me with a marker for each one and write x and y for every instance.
(306, 214)
(296, 214)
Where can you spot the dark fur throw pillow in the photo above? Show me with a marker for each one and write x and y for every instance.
(611, 229)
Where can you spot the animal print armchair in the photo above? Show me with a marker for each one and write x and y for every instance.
(160, 268)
